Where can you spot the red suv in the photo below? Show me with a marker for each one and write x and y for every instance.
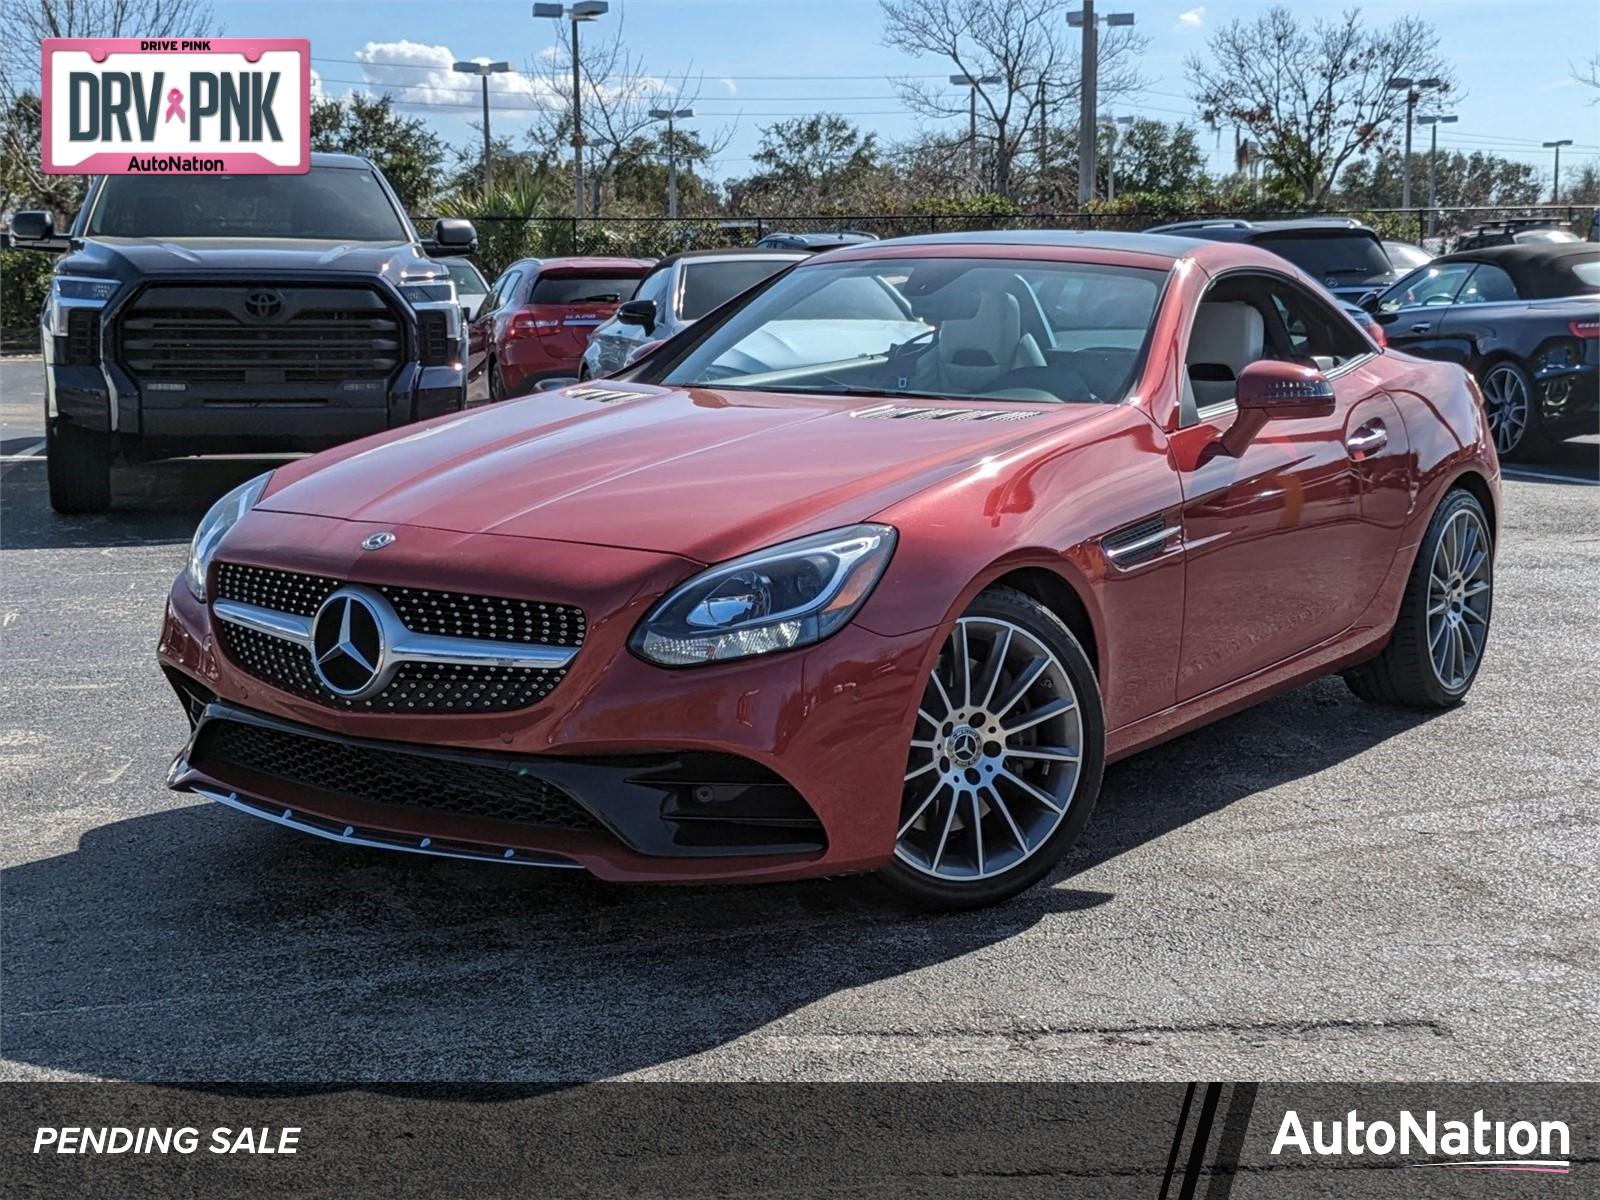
(537, 319)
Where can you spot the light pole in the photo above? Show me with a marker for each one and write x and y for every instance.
(971, 84)
(1090, 63)
(483, 71)
(1413, 89)
(669, 115)
(1433, 121)
(583, 10)
(1555, 182)
(1111, 124)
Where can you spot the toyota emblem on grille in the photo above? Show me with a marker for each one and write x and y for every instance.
(347, 643)
(263, 305)
(377, 541)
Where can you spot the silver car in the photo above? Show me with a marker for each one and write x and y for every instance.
(678, 291)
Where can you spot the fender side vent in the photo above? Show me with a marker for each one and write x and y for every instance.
(1134, 544)
(901, 412)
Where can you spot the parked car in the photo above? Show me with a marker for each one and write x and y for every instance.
(1342, 254)
(222, 314)
(1405, 256)
(720, 618)
(678, 292)
(471, 290)
(538, 317)
(1524, 319)
(1518, 231)
(814, 242)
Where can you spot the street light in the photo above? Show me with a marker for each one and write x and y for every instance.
(1111, 124)
(1555, 183)
(484, 70)
(1090, 56)
(1433, 121)
(1413, 89)
(669, 115)
(971, 84)
(583, 10)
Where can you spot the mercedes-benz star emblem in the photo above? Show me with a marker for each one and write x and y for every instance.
(262, 304)
(377, 541)
(347, 644)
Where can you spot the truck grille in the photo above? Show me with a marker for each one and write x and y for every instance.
(260, 334)
(390, 775)
(416, 687)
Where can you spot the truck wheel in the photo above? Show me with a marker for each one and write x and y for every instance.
(78, 466)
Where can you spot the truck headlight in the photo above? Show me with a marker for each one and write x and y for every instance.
(76, 291)
(224, 515)
(793, 594)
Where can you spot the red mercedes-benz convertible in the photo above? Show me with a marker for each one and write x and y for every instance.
(873, 569)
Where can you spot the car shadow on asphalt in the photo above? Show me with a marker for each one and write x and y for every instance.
(193, 944)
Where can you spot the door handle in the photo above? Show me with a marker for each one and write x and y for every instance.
(1422, 327)
(1369, 439)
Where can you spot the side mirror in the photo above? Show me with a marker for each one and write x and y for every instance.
(452, 236)
(33, 226)
(1273, 390)
(638, 312)
(467, 314)
(1369, 302)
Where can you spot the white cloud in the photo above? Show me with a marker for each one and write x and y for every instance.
(550, 53)
(415, 73)
(1192, 18)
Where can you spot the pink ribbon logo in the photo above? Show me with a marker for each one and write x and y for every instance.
(175, 105)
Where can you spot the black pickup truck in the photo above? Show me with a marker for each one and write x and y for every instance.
(228, 314)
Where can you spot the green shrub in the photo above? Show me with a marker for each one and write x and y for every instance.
(24, 284)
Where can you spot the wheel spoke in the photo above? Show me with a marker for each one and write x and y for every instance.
(1019, 687)
(1045, 753)
(944, 696)
(963, 653)
(1043, 797)
(977, 831)
(997, 666)
(928, 717)
(922, 770)
(949, 822)
(1000, 805)
(1038, 716)
(921, 808)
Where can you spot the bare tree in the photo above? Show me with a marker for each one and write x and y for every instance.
(618, 94)
(1024, 44)
(24, 24)
(1589, 74)
(1313, 96)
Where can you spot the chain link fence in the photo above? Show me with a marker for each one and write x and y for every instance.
(503, 240)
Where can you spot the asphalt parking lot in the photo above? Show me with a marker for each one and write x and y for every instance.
(1314, 889)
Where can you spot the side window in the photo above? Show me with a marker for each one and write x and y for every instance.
(654, 286)
(1488, 285)
(1427, 287)
(503, 287)
(1307, 329)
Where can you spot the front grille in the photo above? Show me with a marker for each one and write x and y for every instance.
(390, 775)
(208, 334)
(416, 687)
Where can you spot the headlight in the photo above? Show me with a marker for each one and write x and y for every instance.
(790, 595)
(76, 291)
(224, 515)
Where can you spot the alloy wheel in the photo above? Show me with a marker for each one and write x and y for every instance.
(995, 757)
(1459, 594)
(1506, 401)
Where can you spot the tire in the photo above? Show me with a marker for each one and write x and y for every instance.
(78, 468)
(1515, 423)
(497, 385)
(1416, 669)
(974, 827)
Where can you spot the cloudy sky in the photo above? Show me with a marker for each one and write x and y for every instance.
(760, 60)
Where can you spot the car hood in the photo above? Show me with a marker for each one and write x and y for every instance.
(137, 257)
(700, 473)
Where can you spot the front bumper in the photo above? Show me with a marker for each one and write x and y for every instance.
(791, 748)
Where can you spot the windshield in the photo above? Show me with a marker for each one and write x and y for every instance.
(466, 276)
(941, 327)
(1406, 257)
(710, 285)
(327, 204)
(584, 289)
(1353, 256)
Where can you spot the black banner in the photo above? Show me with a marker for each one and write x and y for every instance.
(1151, 1141)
